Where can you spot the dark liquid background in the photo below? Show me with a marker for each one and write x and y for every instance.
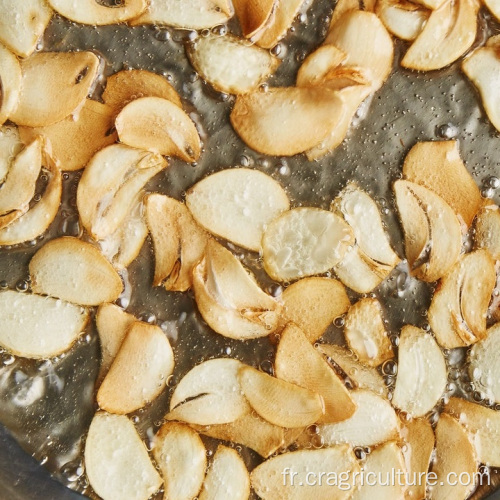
(48, 405)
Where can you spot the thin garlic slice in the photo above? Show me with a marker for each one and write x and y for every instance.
(253, 15)
(487, 230)
(402, 18)
(11, 78)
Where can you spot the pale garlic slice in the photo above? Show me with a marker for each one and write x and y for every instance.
(433, 235)
(454, 454)
(231, 64)
(182, 459)
(313, 304)
(39, 327)
(279, 402)
(186, 14)
(160, 126)
(437, 166)
(98, 14)
(112, 446)
(11, 78)
(494, 7)
(110, 184)
(10, 145)
(298, 362)
(237, 204)
(366, 334)
(54, 85)
(285, 121)
(179, 243)
(422, 373)
(484, 426)
(139, 371)
(209, 393)
(22, 24)
(448, 34)
(457, 313)
(402, 18)
(229, 298)
(227, 477)
(304, 241)
(487, 230)
(76, 271)
(272, 479)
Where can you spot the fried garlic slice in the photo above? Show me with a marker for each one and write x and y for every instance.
(10, 145)
(158, 125)
(179, 243)
(54, 85)
(11, 78)
(402, 18)
(22, 24)
(454, 454)
(73, 270)
(380, 463)
(209, 393)
(181, 456)
(484, 426)
(457, 313)
(74, 140)
(313, 304)
(272, 479)
(433, 236)
(237, 204)
(418, 437)
(304, 241)
(227, 477)
(422, 373)
(229, 298)
(128, 85)
(363, 376)
(139, 371)
(231, 64)
(253, 15)
(98, 14)
(447, 35)
(318, 64)
(494, 7)
(191, 14)
(39, 327)
(285, 121)
(111, 447)
(109, 186)
(366, 334)
(437, 166)
(298, 362)
(487, 230)
(279, 402)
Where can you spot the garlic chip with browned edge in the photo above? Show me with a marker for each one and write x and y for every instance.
(54, 85)
(317, 65)
(402, 18)
(487, 229)
(230, 299)
(253, 15)
(74, 270)
(109, 185)
(286, 476)
(38, 327)
(186, 14)
(313, 304)
(158, 125)
(11, 78)
(457, 313)
(97, 13)
(298, 362)
(237, 204)
(182, 459)
(22, 24)
(304, 241)
(116, 460)
(422, 373)
(209, 393)
(366, 334)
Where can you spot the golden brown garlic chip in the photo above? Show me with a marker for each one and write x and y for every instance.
(229, 298)
(22, 23)
(179, 243)
(253, 15)
(10, 78)
(457, 313)
(73, 270)
(116, 460)
(158, 125)
(54, 85)
(38, 327)
(402, 18)
(95, 13)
